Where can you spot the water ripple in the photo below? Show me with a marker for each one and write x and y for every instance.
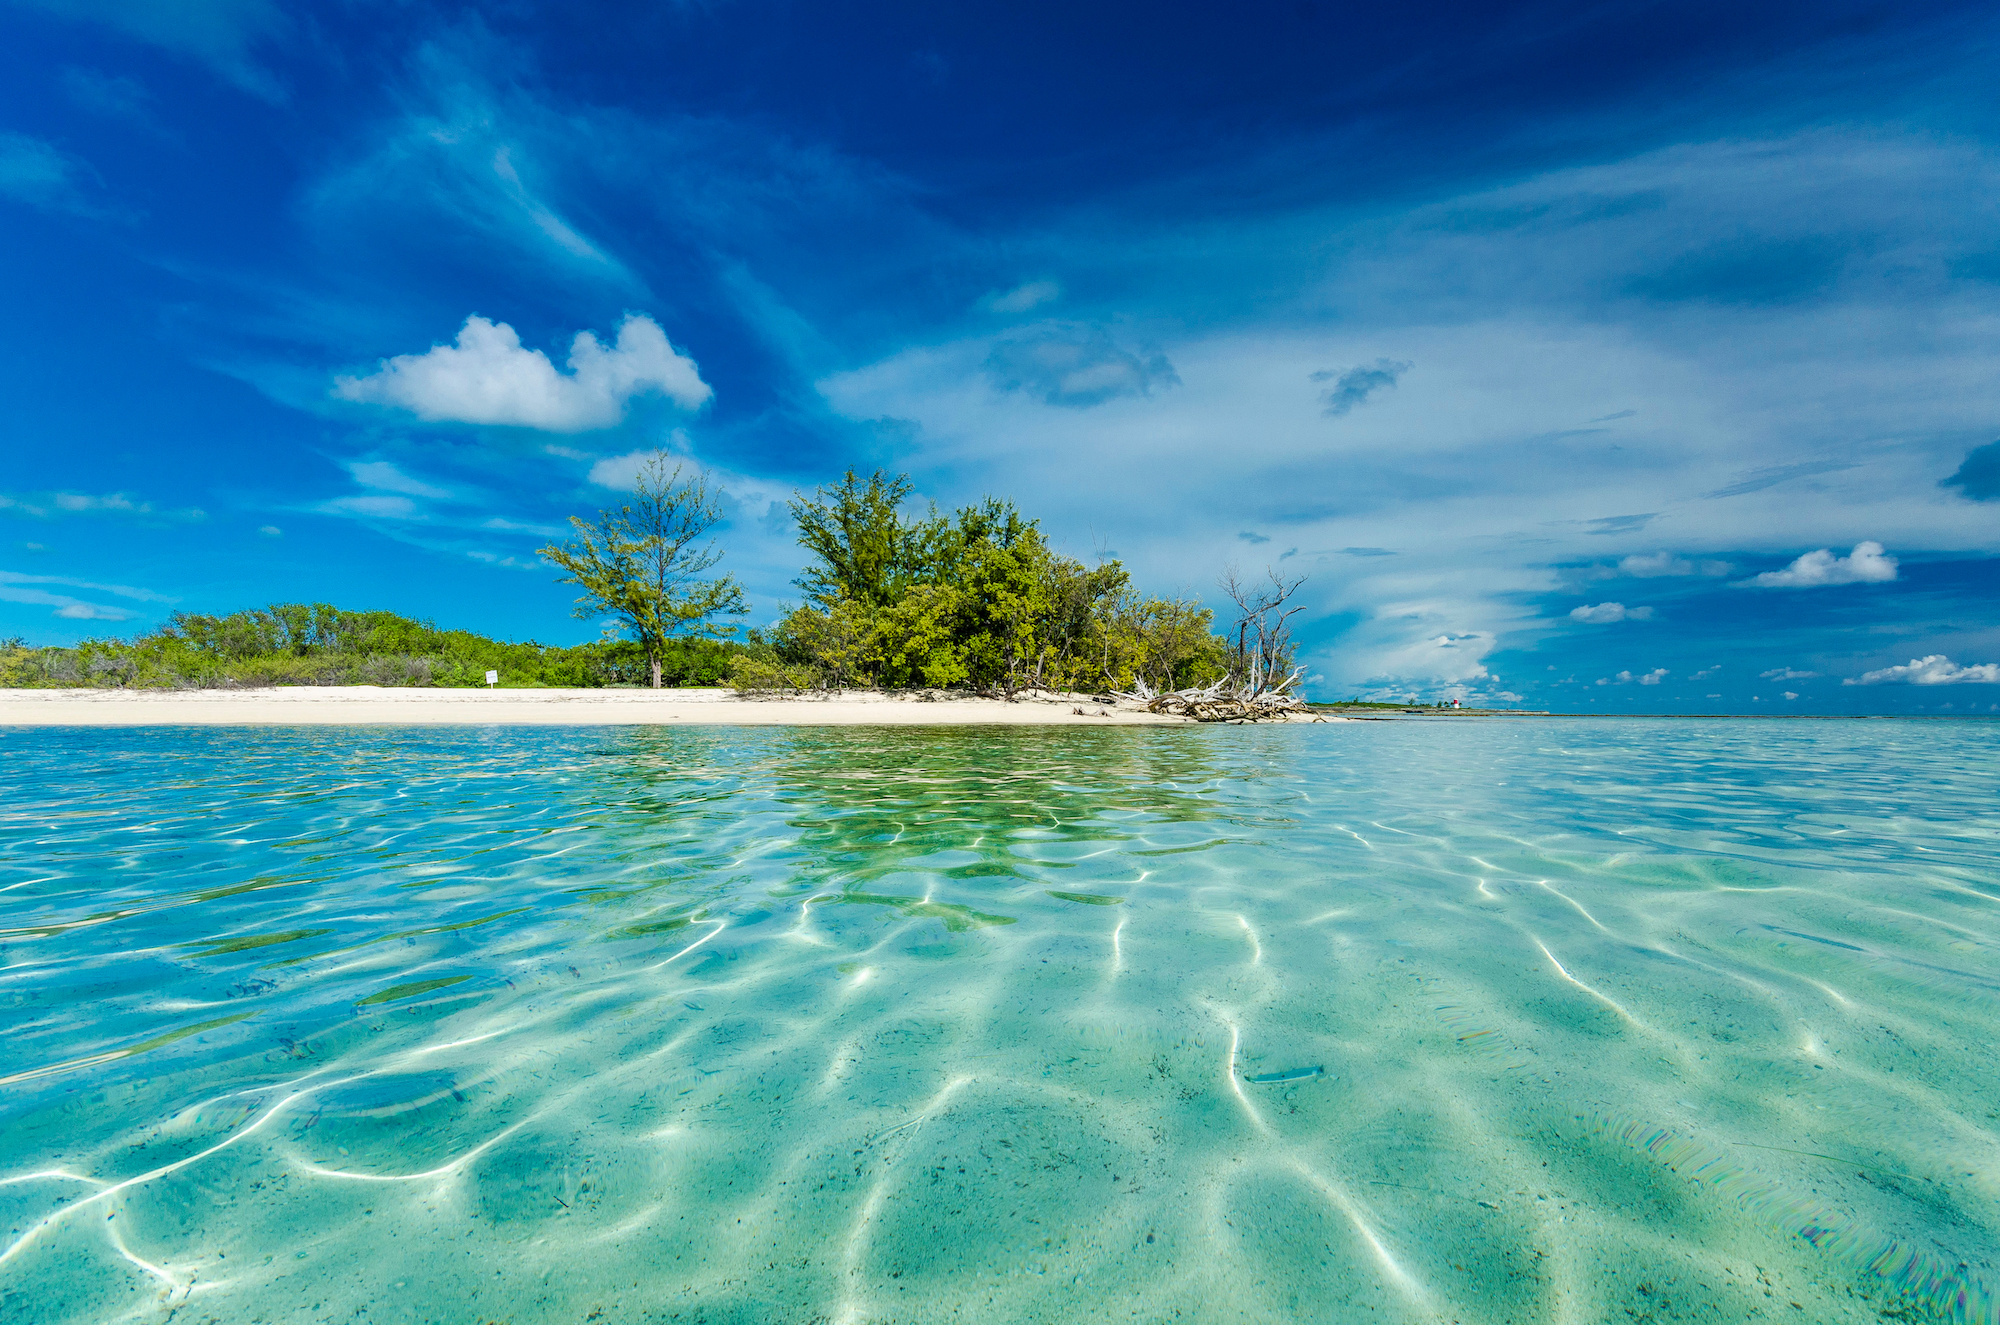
(1561, 1021)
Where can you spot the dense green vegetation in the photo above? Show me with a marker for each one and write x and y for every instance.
(316, 644)
(976, 600)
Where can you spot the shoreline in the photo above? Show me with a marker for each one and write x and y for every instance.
(414, 706)
(424, 706)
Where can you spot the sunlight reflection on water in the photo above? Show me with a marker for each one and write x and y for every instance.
(873, 1024)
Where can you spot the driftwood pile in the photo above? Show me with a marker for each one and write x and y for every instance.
(1223, 702)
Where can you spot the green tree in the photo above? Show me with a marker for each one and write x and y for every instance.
(868, 553)
(1168, 643)
(644, 563)
(978, 599)
(1004, 572)
(836, 639)
(916, 639)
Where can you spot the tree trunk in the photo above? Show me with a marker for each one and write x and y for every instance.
(654, 659)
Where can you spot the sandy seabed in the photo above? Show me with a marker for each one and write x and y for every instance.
(322, 705)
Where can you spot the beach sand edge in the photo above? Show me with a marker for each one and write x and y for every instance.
(413, 706)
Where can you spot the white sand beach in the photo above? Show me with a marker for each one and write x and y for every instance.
(322, 705)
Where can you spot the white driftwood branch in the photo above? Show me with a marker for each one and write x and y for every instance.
(1222, 701)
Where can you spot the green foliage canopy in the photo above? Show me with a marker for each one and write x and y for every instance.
(977, 599)
(319, 644)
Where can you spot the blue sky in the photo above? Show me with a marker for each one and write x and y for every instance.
(1617, 358)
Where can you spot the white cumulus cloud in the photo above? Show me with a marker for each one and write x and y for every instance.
(1786, 674)
(1599, 614)
(1867, 564)
(1934, 670)
(489, 377)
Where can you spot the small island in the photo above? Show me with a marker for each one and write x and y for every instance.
(963, 618)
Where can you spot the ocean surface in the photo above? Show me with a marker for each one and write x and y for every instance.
(1441, 1020)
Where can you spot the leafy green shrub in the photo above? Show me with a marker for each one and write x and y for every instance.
(759, 676)
(318, 644)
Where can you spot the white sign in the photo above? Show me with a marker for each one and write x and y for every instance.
(493, 678)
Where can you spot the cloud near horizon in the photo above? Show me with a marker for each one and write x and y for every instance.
(1934, 670)
(1652, 678)
(1867, 564)
(489, 377)
(28, 589)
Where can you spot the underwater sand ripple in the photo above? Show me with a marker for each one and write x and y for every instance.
(1493, 1023)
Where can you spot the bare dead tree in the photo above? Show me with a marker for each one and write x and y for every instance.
(1264, 646)
(1265, 657)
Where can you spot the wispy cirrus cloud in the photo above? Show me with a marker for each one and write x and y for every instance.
(37, 590)
(1022, 298)
(386, 476)
(1759, 479)
(113, 96)
(222, 34)
(1652, 565)
(1603, 614)
(42, 175)
(371, 506)
(50, 505)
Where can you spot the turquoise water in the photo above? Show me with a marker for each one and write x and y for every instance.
(1426, 1021)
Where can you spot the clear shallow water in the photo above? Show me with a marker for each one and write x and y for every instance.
(1616, 1020)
